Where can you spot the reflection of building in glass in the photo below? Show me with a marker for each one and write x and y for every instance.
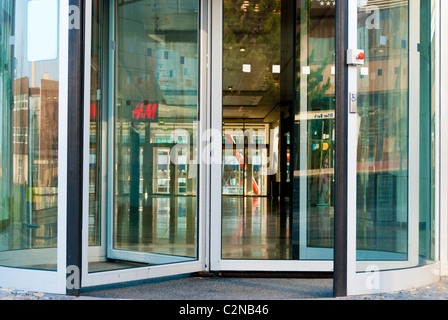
(383, 106)
(35, 145)
(20, 136)
(156, 183)
(19, 222)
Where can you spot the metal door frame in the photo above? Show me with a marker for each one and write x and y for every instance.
(216, 262)
(107, 199)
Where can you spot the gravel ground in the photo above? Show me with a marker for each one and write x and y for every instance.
(11, 294)
(436, 291)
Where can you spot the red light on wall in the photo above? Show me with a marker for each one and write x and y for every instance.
(92, 111)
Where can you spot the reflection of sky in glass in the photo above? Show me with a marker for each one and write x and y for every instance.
(29, 140)
(23, 68)
(42, 38)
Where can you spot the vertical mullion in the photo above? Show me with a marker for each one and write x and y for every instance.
(414, 133)
(110, 130)
(75, 141)
(216, 127)
(443, 136)
(86, 137)
(341, 158)
(352, 146)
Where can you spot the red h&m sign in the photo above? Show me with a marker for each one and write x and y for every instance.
(147, 112)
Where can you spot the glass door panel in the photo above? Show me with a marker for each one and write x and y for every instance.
(395, 153)
(382, 143)
(391, 149)
(278, 87)
(29, 140)
(155, 110)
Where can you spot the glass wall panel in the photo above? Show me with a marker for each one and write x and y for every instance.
(29, 102)
(155, 110)
(395, 95)
(278, 129)
(383, 135)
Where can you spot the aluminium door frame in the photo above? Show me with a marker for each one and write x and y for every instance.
(107, 176)
(442, 190)
(44, 280)
(216, 262)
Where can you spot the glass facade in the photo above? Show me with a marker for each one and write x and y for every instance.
(153, 67)
(29, 103)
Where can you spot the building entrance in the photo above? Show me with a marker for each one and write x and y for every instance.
(278, 119)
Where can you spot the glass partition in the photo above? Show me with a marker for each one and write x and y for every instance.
(278, 130)
(155, 112)
(396, 130)
(29, 104)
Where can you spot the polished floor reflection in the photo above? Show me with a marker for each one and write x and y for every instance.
(254, 228)
(163, 225)
(263, 228)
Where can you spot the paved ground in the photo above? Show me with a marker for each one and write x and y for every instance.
(207, 288)
(436, 291)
